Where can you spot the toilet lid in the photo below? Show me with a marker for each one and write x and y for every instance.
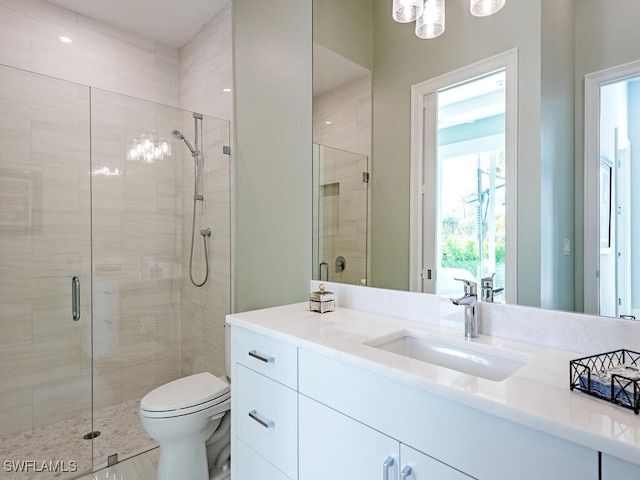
(184, 393)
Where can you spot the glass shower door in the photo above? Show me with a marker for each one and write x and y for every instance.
(340, 215)
(45, 283)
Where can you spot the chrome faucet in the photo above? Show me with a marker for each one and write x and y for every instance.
(470, 302)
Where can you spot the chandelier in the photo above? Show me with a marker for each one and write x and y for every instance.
(148, 148)
(429, 14)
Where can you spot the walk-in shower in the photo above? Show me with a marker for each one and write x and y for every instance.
(75, 204)
(206, 232)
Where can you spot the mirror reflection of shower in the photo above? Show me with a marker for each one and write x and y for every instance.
(197, 196)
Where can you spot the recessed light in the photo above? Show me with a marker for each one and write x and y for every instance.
(226, 90)
(64, 39)
(328, 122)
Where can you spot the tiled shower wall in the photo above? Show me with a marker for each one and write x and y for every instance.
(349, 109)
(205, 72)
(100, 55)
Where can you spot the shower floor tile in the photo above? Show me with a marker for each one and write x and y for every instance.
(120, 432)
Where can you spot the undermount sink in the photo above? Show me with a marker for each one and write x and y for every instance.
(476, 359)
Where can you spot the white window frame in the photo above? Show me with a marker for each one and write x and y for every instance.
(424, 168)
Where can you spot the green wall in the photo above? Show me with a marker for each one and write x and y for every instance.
(272, 157)
(557, 155)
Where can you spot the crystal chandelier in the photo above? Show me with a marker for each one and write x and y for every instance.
(429, 14)
(148, 148)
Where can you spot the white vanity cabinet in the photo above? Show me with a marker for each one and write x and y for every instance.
(303, 415)
(457, 438)
(264, 407)
(333, 445)
(616, 469)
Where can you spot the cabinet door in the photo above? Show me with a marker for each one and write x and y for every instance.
(335, 446)
(415, 465)
(616, 469)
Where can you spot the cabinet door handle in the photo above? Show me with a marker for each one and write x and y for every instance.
(262, 358)
(406, 472)
(265, 423)
(386, 466)
(75, 298)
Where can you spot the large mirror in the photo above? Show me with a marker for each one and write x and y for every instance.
(557, 42)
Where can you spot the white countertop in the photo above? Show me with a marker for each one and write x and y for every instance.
(537, 395)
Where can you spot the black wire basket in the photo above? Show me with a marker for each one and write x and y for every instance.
(593, 376)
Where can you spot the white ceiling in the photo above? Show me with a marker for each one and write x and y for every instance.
(175, 22)
(170, 22)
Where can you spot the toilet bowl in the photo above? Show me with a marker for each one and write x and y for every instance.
(189, 418)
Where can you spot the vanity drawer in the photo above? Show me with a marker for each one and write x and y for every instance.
(267, 419)
(275, 359)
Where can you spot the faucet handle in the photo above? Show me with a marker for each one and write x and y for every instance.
(488, 281)
(470, 287)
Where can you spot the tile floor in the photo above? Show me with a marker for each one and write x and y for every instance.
(121, 433)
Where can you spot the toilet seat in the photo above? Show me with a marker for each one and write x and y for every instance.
(186, 396)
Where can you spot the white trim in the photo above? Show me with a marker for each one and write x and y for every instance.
(592, 84)
(509, 61)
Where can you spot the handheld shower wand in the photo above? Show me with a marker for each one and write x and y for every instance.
(195, 153)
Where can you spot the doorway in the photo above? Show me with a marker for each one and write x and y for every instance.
(612, 119)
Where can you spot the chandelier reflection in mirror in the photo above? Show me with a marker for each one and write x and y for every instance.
(149, 148)
(429, 14)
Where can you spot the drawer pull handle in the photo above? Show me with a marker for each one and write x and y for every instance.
(265, 423)
(262, 358)
(406, 472)
(386, 466)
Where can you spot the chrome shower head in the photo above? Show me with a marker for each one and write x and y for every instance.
(180, 136)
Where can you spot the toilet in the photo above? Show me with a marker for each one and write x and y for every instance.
(190, 419)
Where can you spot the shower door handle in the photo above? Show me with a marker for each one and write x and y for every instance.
(75, 298)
